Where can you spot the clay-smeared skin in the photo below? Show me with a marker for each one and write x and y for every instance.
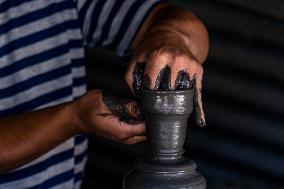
(119, 107)
(171, 37)
(137, 76)
(182, 82)
(163, 79)
(197, 96)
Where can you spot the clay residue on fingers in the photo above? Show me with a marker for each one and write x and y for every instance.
(146, 83)
(138, 77)
(159, 78)
(200, 116)
(183, 81)
(126, 110)
(163, 79)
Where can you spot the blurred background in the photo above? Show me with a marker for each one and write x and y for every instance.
(243, 93)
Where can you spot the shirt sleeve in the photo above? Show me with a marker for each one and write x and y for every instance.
(112, 23)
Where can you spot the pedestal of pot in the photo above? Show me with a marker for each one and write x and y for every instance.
(179, 175)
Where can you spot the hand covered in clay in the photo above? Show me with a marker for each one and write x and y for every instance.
(109, 117)
(164, 62)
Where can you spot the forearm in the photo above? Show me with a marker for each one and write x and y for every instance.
(171, 24)
(27, 136)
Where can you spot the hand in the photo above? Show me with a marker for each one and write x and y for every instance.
(109, 117)
(164, 62)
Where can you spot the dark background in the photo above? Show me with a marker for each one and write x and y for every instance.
(243, 143)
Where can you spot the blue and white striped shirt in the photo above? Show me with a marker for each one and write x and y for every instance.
(42, 64)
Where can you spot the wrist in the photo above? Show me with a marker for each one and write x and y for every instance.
(72, 121)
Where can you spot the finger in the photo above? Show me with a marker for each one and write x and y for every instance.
(113, 127)
(183, 68)
(193, 67)
(124, 131)
(183, 81)
(155, 66)
(125, 110)
(134, 140)
(134, 76)
(132, 130)
(177, 65)
(174, 76)
(128, 77)
(163, 79)
(200, 116)
(117, 106)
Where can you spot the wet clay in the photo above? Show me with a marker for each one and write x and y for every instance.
(163, 79)
(162, 82)
(182, 82)
(164, 166)
(138, 77)
(120, 108)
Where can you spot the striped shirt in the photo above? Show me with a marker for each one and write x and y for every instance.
(42, 64)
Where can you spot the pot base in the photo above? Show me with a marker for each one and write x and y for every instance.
(181, 174)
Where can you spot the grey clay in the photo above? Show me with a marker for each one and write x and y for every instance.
(164, 167)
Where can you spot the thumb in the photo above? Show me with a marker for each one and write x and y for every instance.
(121, 107)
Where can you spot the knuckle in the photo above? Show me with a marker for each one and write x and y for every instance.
(161, 55)
(200, 69)
(180, 61)
(191, 63)
(194, 65)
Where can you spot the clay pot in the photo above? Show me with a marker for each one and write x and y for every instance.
(164, 167)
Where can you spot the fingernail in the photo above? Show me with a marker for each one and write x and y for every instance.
(137, 111)
(202, 123)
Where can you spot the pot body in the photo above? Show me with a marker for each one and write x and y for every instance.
(164, 167)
